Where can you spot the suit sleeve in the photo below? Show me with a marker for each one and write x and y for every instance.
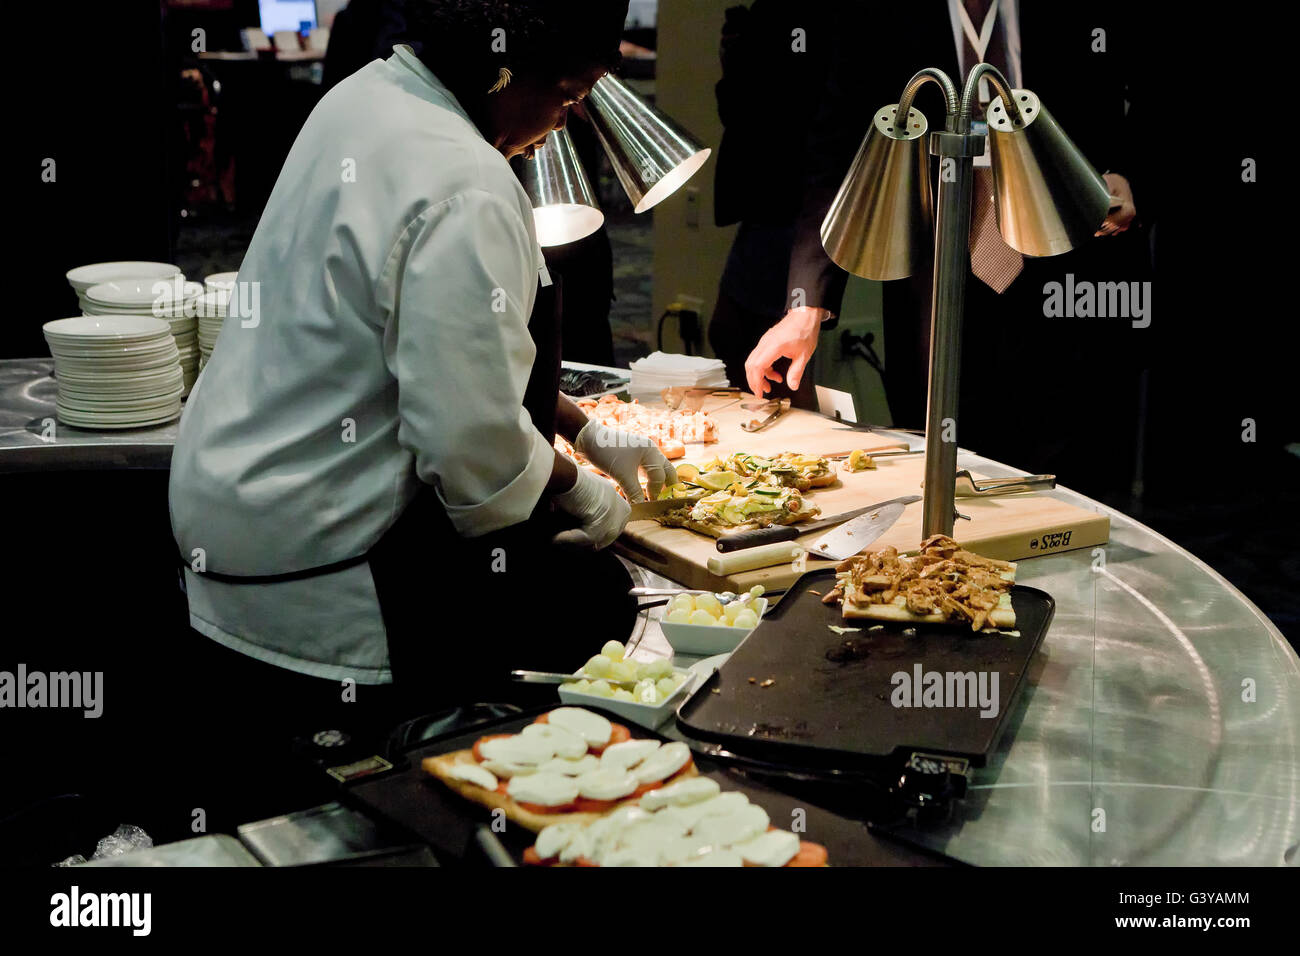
(461, 352)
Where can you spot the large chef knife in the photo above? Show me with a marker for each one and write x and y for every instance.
(867, 524)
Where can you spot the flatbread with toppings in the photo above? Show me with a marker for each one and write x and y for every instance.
(569, 766)
(941, 583)
(670, 429)
(743, 506)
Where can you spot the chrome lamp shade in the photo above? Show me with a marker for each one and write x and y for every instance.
(881, 225)
(564, 204)
(652, 156)
(1049, 198)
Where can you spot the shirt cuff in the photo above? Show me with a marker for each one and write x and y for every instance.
(512, 504)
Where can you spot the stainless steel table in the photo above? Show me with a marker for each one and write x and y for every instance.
(31, 438)
(1161, 724)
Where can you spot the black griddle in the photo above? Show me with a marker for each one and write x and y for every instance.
(829, 706)
(415, 801)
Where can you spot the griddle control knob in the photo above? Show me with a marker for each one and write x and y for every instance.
(930, 782)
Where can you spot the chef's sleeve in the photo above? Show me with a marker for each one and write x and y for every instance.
(459, 347)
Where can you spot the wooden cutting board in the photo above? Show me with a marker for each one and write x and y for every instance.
(1011, 527)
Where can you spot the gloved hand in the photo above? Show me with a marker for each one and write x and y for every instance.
(619, 455)
(600, 508)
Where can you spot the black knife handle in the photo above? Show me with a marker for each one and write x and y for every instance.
(742, 540)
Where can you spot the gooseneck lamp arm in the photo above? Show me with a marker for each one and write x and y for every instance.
(930, 75)
(1000, 85)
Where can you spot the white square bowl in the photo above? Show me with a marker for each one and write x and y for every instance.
(705, 640)
(649, 716)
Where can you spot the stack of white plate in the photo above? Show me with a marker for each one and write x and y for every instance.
(170, 299)
(83, 277)
(220, 281)
(210, 310)
(115, 371)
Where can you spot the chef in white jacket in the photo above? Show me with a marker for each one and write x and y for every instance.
(359, 492)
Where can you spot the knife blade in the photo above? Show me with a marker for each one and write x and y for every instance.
(853, 536)
(774, 535)
(652, 509)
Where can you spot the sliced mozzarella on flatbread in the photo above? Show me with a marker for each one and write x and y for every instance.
(680, 794)
(609, 783)
(473, 773)
(690, 815)
(663, 763)
(543, 789)
(628, 754)
(572, 768)
(716, 858)
(553, 839)
(517, 749)
(773, 848)
(506, 770)
(592, 728)
(732, 828)
(564, 743)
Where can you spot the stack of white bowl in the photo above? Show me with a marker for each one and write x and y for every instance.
(115, 371)
(83, 277)
(221, 281)
(210, 310)
(171, 299)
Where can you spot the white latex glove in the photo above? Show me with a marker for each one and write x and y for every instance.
(620, 455)
(600, 508)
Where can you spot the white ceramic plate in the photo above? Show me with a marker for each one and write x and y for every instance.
(108, 382)
(699, 639)
(83, 277)
(220, 280)
(151, 364)
(649, 716)
(133, 293)
(105, 328)
(79, 422)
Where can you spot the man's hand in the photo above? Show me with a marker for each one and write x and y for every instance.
(795, 338)
(597, 504)
(1118, 221)
(621, 456)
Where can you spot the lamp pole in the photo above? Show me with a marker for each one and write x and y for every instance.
(956, 146)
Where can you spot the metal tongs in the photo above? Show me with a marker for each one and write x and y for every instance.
(779, 408)
(969, 487)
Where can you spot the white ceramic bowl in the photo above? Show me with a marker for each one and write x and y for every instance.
(83, 277)
(705, 640)
(649, 716)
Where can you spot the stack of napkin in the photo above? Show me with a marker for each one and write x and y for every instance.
(661, 370)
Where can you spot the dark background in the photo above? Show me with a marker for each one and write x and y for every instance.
(86, 573)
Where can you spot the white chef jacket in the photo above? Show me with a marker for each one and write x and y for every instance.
(395, 269)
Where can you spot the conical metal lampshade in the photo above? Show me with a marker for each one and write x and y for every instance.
(564, 204)
(881, 225)
(653, 157)
(1049, 198)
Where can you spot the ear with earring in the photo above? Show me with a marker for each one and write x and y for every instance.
(504, 77)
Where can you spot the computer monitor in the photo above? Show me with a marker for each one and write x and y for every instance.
(287, 15)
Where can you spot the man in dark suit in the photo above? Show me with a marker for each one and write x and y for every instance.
(1024, 393)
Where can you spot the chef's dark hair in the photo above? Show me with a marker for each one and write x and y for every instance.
(467, 42)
